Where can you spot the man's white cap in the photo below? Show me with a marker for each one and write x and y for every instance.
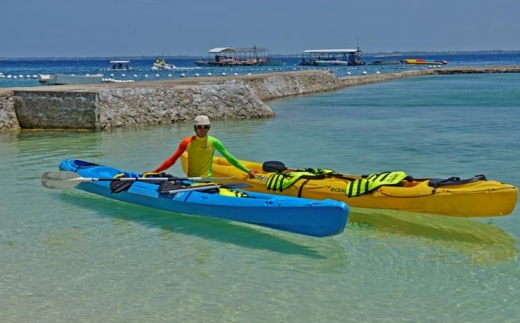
(201, 120)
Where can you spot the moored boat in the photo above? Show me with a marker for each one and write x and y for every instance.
(332, 57)
(303, 216)
(238, 56)
(474, 197)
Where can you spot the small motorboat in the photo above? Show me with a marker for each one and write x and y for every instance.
(162, 65)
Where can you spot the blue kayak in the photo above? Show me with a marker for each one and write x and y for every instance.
(303, 216)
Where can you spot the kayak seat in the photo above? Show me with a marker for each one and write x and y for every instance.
(438, 182)
(121, 186)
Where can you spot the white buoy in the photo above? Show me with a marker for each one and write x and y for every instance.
(123, 75)
(223, 74)
(182, 75)
(236, 74)
(196, 74)
(209, 74)
(364, 73)
(378, 72)
(146, 75)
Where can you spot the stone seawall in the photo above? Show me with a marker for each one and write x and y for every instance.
(110, 105)
(8, 120)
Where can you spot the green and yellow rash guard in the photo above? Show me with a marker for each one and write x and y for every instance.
(200, 156)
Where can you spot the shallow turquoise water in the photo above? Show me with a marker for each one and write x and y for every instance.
(67, 256)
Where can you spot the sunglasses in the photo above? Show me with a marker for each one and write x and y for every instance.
(203, 127)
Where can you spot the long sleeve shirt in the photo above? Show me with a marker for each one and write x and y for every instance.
(200, 156)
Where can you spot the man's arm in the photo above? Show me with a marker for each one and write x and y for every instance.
(176, 155)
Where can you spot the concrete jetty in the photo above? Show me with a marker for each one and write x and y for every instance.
(103, 106)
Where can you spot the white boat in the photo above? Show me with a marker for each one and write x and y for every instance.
(332, 57)
(162, 65)
(331, 62)
(63, 79)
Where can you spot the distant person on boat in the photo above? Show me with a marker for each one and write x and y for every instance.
(201, 149)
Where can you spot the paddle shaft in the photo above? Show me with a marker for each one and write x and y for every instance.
(66, 179)
(195, 188)
(146, 179)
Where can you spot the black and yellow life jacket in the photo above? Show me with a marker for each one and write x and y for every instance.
(374, 181)
(231, 192)
(281, 181)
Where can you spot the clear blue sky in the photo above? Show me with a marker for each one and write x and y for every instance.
(118, 28)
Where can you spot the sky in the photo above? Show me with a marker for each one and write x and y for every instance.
(130, 28)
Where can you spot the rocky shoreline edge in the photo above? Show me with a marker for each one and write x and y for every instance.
(105, 106)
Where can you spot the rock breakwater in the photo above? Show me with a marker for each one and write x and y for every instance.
(104, 106)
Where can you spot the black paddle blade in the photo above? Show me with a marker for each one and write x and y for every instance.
(172, 188)
(273, 166)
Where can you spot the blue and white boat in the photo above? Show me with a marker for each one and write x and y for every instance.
(332, 57)
(296, 215)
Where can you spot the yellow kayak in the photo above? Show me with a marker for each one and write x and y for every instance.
(475, 197)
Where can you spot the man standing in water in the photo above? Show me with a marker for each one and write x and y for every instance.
(201, 148)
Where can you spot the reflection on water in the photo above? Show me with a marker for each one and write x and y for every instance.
(240, 234)
(483, 243)
(302, 253)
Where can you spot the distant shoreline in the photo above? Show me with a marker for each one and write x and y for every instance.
(293, 55)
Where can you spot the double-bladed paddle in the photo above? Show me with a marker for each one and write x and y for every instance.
(66, 179)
